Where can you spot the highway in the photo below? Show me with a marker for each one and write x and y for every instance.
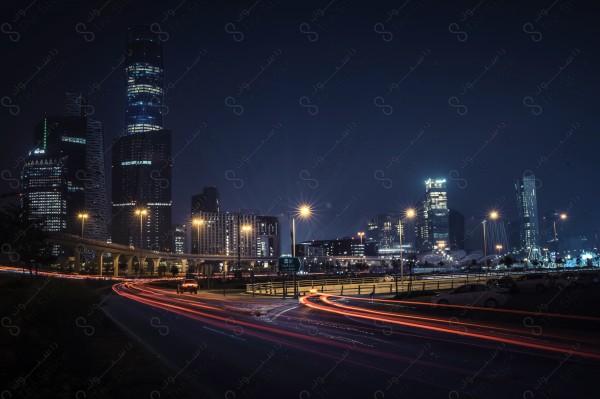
(330, 347)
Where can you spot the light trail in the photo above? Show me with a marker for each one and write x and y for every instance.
(359, 313)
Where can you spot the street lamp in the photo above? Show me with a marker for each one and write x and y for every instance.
(246, 229)
(198, 222)
(83, 216)
(303, 212)
(562, 216)
(409, 214)
(493, 215)
(141, 213)
(498, 248)
(361, 234)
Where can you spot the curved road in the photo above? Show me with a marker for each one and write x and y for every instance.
(334, 347)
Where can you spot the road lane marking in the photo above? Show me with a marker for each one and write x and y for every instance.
(283, 311)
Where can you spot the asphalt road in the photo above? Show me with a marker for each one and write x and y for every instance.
(243, 347)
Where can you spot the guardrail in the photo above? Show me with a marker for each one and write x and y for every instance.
(378, 285)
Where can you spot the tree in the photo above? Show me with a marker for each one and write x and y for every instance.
(162, 270)
(23, 240)
(508, 261)
(174, 270)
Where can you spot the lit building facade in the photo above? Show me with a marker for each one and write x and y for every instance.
(45, 189)
(77, 140)
(141, 169)
(433, 220)
(525, 188)
(227, 233)
(179, 238)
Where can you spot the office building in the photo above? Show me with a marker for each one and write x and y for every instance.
(456, 229)
(179, 238)
(224, 233)
(141, 180)
(207, 201)
(433, 220)
(77, 140)
(45, 189)
(525, 188)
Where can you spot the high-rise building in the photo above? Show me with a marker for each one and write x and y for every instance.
(45, 189)
(179, 238)
(78, 141)
(528, 216)
(227, 233)
(142, 157)
(208, 201)
(456, 229)
(433, 220)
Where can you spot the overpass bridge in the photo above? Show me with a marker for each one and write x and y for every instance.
(123, 254)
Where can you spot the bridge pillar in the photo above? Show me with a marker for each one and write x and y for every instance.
(129, 261)
(115, 258)
(155, 263)
(142, 261)
(184, 266)
(77, 253)
(98, 261)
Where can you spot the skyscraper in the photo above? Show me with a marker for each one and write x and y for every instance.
(528, 216)
(77, 141)
(433, 220)
(142, 157)
(456, 228)
(45, 189)
(208, 201)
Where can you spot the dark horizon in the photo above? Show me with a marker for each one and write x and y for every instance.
(350, 108)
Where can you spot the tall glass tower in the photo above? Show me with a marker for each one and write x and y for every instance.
(141, 159)
(528, 216)
(433, 223)
(144, 73)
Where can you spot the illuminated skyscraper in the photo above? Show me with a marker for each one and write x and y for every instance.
(77, 141)
(142, 157)
(528, 216)
(433, 220)
(144, 74)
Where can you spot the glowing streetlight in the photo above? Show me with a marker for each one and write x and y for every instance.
(141, 213)
(493, 215)
(83, 216)
(498, 248)
(562, 216)
(303, 212)
(198, 222)
(409, 214)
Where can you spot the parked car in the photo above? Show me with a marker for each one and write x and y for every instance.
(533, 282)
(505, 283)
(588, 279)
(473, 295)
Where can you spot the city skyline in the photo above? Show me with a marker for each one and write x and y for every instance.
(344, 143)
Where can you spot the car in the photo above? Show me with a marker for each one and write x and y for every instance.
(505, 283)
(473, 295)
(387, 278)
(588, 279)
(533, 282)
(187, 285)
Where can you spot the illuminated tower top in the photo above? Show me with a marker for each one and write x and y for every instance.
(144, 73)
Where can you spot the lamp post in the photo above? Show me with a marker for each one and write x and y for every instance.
(198, 222)
(141, 213)
(409, 214)
(493, 215)
(247, 229)
(303, 212)
(562, 216)
(83, 216)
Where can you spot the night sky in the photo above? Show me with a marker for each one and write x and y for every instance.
(348, 105)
